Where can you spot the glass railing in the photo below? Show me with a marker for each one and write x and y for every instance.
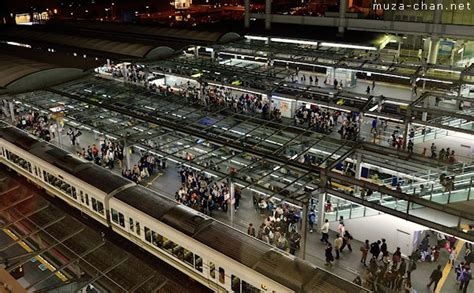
(350, 210)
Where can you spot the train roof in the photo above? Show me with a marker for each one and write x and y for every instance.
(18, 138)
(104, 181)
(81, 169)
(292, 272)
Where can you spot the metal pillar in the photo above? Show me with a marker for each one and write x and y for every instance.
(304, 227)
(12, 111)
(126, 150)
(59, 132)
(399, 49)
(232, 203)
(247, 14)
(406, 128)
(321, 201)
(342, 16)
(268, 14)
(469, 192)
(358, 170)
(196, 51)
(434, 47)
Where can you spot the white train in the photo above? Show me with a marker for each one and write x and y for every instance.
(218, 256)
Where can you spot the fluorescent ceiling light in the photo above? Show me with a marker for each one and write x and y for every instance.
(347, 46)
(258, 38)
(293, 41)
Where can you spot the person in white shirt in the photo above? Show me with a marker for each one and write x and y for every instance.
(325, 231)
(341, 229)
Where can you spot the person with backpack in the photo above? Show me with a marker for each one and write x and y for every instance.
(311, 220)
(465, 278)
(375, 249)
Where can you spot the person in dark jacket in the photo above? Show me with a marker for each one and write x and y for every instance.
(435, 276)
(328, 254)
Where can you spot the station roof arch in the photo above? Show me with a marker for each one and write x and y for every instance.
(115, 49)
(196, 37)
(23, 69)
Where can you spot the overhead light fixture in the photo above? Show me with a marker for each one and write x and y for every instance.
(294, 41)
(347, 46)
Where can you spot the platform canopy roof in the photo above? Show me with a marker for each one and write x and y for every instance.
(183, 35)
(23, 69)
(114, 48)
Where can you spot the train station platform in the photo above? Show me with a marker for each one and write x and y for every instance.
(96, 126)
(168, 182)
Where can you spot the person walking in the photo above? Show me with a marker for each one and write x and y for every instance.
(328, 254)
(383, 247)
(338, 244)
(435, 276)
(411, 267)
(325, 231)
(311, 220)
(346, 241)
(251, 230)
(364, 249)
(433, 151)
(402, 269)
(375, 249)
(465, 278)
(397, 256)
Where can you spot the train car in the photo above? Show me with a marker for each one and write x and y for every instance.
(81, 184)
(223, 258)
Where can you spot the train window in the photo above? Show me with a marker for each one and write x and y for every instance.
(100, 207)
(3, 152)
(114, 215)
(36, 171)
(188, 257)
(221, 275)
(154, 238)
(74, 194)
(159, 240)
(168, 245)
(248, 288)
(198, 263)
(121, 220)
(235, 284)
(45, 176)
(87, 199)
(94, 204)
(212, 270)
(178, 252)
(147, 234)
(137, 228)
(19, 161)
(130, 224)
(81, 195)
